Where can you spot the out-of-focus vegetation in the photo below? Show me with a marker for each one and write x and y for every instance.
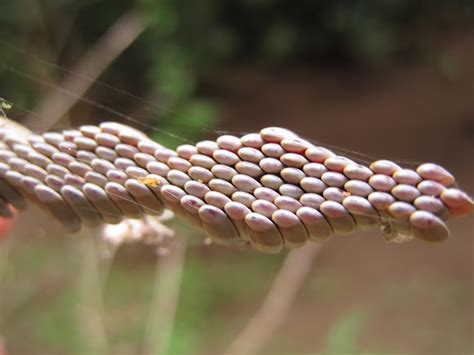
(48, 308)
(191, 43)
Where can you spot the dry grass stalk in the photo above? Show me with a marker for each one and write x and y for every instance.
(277, 303)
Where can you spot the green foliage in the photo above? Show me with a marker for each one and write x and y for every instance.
(5, 106)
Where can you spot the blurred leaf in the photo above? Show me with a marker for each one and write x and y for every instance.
(280, 41)
(344, 334)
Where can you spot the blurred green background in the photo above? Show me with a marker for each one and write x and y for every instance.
(387, 78)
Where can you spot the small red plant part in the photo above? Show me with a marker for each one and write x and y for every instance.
(7, 223)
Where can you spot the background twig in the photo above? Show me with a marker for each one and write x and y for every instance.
(90, 307)
(99, 57)
(169, 272)
(277, 303)
(5, 247)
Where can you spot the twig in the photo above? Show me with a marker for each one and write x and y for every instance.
(99, 57)
(169, 272)
(277, 303)
(90, 307)
(5, 248)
